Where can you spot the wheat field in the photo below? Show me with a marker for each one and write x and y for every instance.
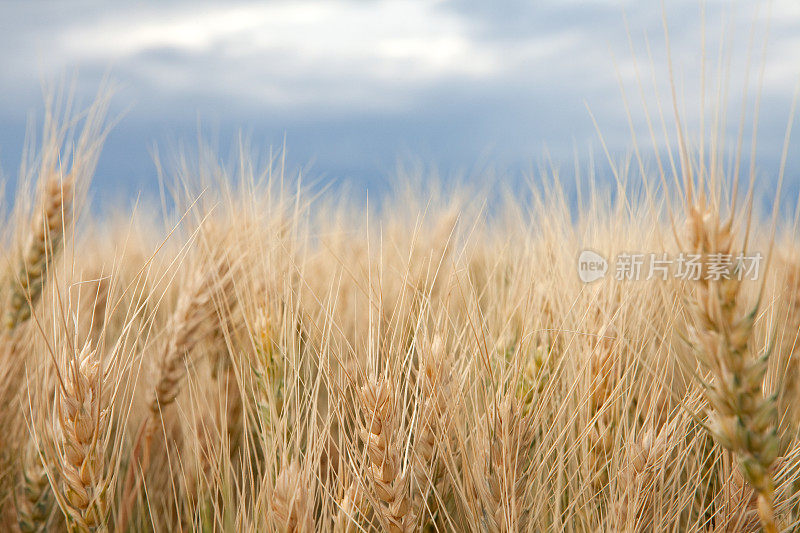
(255, 355)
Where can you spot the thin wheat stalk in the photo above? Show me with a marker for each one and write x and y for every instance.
(740, 507)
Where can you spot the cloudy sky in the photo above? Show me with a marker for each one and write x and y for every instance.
(354, 86)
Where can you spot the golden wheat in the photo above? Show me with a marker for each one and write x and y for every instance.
(742, 419)
(260, 357)
(83, 409)
(388, 480)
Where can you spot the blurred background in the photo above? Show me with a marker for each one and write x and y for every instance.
(456, 88)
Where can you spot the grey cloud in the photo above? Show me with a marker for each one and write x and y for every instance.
(353, 124)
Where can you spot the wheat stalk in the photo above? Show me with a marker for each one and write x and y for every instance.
(34, 502)
(387, 480)
(83, 416)
(349, 506)
(43, 242)
(192, 321)
(740, 507)
(292, 503)
(602, 375)
(435, 396)
(646, 461)
(741, 418)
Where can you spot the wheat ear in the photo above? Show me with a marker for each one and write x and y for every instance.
(602, 368)
(790, 382)
(268, 367)
(43, 242)
(428, 466)
(505, 452)
(351, 504)
(741, 418)
(646, 460)
(292, 501)
(24, 291)
(388, 482)
(192, 322)
(84, 412)
(35, 499)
